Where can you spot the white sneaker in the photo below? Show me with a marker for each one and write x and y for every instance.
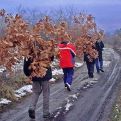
(68, 87)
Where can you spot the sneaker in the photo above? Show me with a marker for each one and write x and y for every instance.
(101, 70)
(31, 114)
(68, 87)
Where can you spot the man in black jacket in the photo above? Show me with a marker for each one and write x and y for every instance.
(99, 61)
(39, 84)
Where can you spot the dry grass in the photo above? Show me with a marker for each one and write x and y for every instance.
(7, 92)
(116, 111)
(7, 87)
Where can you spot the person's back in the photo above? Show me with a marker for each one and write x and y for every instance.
(99, 61)
(67, 53)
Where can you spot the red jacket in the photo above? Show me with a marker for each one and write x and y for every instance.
(67, 54)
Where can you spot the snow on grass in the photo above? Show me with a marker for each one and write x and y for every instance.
(78, 64)
(18, 93)
(93, 82)
(52, 80)
(57, 72)
(57, 114)
(67, 106)
(73, 96)
(106, 63)
(2, 69)
(4, 101)
(23, 91)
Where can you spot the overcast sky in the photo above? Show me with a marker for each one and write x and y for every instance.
(106, 12)
(38, 3)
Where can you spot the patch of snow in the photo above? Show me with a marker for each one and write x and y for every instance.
(2, 69)
(4, 101)
(20, 94)
(67, 100)
(88, 85)
(57, 114)
(78, 64)
(68, 105)
(57, 72)
(52, 80)
(106, 63)
(59, 107)
(17, 95)
(84, 87)
(22, 91)
(93, 82)
(74, 96)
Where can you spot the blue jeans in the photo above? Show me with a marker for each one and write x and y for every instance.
(68, 75)
(99, 64)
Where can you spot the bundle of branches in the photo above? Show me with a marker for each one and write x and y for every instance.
(88, 36)
(85, 44)
(22, 40)
(39, 41)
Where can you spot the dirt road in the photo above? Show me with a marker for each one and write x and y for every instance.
(89, 100)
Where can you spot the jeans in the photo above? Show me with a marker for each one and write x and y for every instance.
(68, 75)
(99, 64)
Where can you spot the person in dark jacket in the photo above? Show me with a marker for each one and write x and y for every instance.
(99, 61)
(90, 65)
(39, 84)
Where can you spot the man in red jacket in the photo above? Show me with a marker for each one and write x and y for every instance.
(67, 53)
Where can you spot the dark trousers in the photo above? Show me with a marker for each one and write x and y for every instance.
(68, 75)
(90, 68)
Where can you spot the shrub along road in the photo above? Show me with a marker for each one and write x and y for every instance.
(89, 100)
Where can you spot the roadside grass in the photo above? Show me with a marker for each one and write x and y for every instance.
(116, 110)
(14, 82)
(7, 87)
(7, 92)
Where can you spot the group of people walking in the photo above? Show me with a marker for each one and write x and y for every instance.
(67, 53)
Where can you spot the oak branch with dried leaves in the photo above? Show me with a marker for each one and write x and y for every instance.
(39, 41)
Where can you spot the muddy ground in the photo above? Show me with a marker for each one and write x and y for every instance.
(89, 100)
